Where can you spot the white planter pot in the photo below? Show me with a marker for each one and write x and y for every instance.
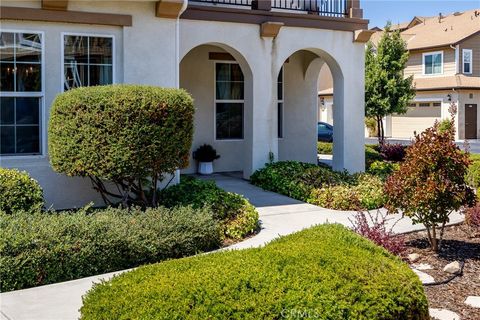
(205, 167)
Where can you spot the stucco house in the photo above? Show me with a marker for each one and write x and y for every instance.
(251, 66)
(445, 63)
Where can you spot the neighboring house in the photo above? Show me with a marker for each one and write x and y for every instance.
(251, 67)
(445, 63)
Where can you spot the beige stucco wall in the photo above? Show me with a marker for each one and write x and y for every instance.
(197, 76)
(299, 111)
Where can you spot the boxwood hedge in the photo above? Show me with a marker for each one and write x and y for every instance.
(49, 247)
(19, 192)
(326, 272)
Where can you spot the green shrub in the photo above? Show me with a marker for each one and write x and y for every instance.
(237, 216)
(324, 147)
(321, 186)
(339, 197)
(369, 190)
(445, 125)
(473, 175)
(295, 179)
(19, 192)
(371, 155)
(371, 125)
(327, 272)
(382, 169)
(474, 157)
(43, 248)
(129, 135)
(366, 193)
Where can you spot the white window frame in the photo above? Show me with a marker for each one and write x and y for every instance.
(470, 62)
(99, 35)
(215, 101)
(38, 94)
(423, 63)
(282, 101)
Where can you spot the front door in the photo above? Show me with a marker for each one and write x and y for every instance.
(470, 121)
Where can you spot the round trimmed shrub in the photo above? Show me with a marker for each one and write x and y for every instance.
(44, 248)
(19, 192)
(130, 135)
(327, 272)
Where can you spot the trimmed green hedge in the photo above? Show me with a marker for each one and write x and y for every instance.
(237, 216)
(321, 186)
(326, 272)
(125, 134)
(43, 248)
(19, 192)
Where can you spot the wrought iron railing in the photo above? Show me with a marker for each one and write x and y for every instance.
(227, 2)
(332, 8)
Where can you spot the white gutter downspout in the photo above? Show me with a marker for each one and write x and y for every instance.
(177, 64)
(177, 44)
(457, 58)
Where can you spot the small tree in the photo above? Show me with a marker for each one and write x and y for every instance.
(430, 183)
(129, 135)
(387, 91)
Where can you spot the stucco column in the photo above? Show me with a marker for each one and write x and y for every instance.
(349, 114)
(261, 115)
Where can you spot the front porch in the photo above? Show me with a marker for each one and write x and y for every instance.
(256, 97)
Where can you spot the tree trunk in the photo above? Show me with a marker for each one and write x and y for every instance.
(379, 134)
(383, 130)
(434, 243)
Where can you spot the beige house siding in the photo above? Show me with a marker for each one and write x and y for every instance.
(415, 62)
(472, 43)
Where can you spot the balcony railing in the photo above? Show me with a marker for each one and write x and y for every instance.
(331, 8)
(247, 3)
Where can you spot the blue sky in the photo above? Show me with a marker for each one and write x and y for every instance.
(380, 11)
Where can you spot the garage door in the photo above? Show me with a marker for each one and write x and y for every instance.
(417, 119)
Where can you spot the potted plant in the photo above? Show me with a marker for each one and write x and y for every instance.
(205, 155)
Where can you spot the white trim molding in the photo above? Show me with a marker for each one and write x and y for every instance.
(215, 101)
(34, 94)
(433, 53)
(62, 49)
(470, 51)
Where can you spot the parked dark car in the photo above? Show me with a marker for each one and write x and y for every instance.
(324, 132)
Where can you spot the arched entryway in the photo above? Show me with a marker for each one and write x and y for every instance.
(220, 81)
(299, 115)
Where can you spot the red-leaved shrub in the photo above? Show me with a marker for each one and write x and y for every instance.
(375, 229)
(392, 151)
(430, 184)
(472, 216)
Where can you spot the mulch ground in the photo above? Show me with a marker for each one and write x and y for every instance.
(460, 243)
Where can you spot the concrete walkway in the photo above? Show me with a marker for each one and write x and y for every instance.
(279, 215)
